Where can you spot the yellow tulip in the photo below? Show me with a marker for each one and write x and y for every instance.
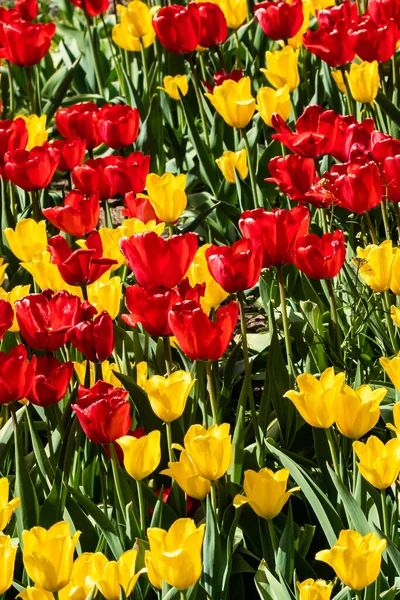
(396, 419)
(282, 68)
(357, 411)
(234, 102)
(175, 555)
(297, 40)
(379, 463)
(37, 132)
(48, 555)
(136, 28)
(392, 368)
(7, 506)
(317, 398)
(395, 275)
(38, 593)
(235, 11)
(132, 226)
(27, 238)
(87, 570)
(174, 85)
(198, 273)
(209, 449)
(270, 101)
(7, 561)
(167, 195)
(47, 275)
(395, 315)
(106, 294)
(3, 267)
(141, 374)
(187, 476)
(356, 559)
(141, 455)
(375, 265)
(117, 574)
(364, 81)
(265, 491)
(19, 291)
(311, 589)
(168, 395)
(107, 374)
(230, 162)
(338, 79)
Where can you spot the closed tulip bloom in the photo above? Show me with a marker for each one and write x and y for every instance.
(379, 463)
(349, 133)
(273, 102)
(24, 43)
(119, 574)
(175, 555)
(6, 317)
(187, 475)
(3, 267)
(167, 195)
(118, 124)
(199, 273)
(16, 374)
(31, 170)
(357, 411)
(78, 216)
(178, 27)
(37, 132)
(364, 81)
(356, 559)
(51, 381)
(105, 294)
(338, 79)
(237, 267)
(95, 338)
(317, 398)
(27, 9)
(141, 455)
(28, 238)
(103, 412)
(375, 264)
(220, 76)
(13, 136)
(282, 68)
(72, 152)
(174, 83)
(317, 589)
(78, 121)
(230, 162)
(168, 395)
(396, 418)
(392, 369)
(213, 27)
(48, 555)
(320, 257)
(209, 449)
(7, 507)
(8, 552)
(279, 20)
(265, 491)
(136, 18)
(234, 102)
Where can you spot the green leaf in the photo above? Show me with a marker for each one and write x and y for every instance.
(148, 419)
(212, 568)
(59, 93)
(285, 557)
(267, 586)
(388, 107)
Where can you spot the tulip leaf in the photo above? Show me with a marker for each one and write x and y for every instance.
(60, 92)
(268, 587)
(149, 420)
(192, 225)
(212, 568)
(388, 107)
(357, 520)
(236, 468)
(285, 557)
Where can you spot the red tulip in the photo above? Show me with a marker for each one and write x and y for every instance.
(386, 153)
(83, 266)
(95, 339)
(27, 9)
(6, 16)
(118, 125)
(25, 43)
(13, 136)
(16, 374)
(350, 132)
(346, 11)
(381, 11)
(103, 412)
(91, 177)
(6, 317)
(213, 27)
(51, 380)
(330, 43)
(235, 268)
(44, 319)
(92, 7)
(72, 152)
(276, 230)
(178, 27)
(374, 42)
(198, 336)
(159, 263)
(357, 185)
(383, 146)
(31, 169)
(315, 135)
(320, 257)
(139, 207)
(78, 121)
(292, 173)
(279, 20)
(221, 76)
(78, 216)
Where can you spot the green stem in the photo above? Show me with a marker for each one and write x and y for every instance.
(358, 594)
(168, 355)
(171, 453)
(98, 371)
(386, 525)
(199, 98)
(371, 228)
(288, 345)
(355, 472)
(141, 506)
(334, 315)
(55, 594)
(93, 50)
(251, 169)
(211, 392)
(350, 100)
(30, 89)
(117, 482)
(36, 211)
(272, 535)
(182, 595)
(395, 73)
(389, 322)
(384, 209)
(11, 90)
(332, 449)
(107, 214)
(213, 498)
(171, 229)
(144, 65)
(103, 482)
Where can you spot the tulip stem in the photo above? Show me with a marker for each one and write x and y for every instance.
(144, 66)
(30, 89)
(211, 392)
(384, 208)
(386, 526)
(103, 482)
(141, 506)
(251, 169)
(167, 355)
(35, 205)
(272, 535)
(332, 448)
(334, 315)
(55, 594)
(358, 594)
(371, 228)
(213, 497)
(11, 90)
(199, 98)
(171, 454)
(117, 483)
(288, 345)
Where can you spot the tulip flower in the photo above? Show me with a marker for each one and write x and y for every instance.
(293, 174)
(387, 154)
(119, 575)
(31, 170)
(349, 133)
(156, 262)
(175, 85)
(48, 555)
(396, 419)
(337, 77)
(277, 231)
(16, 374)
(107, 372)
(8, 551)
(136, 28)
(230, 162)
(92, 7)
(130, 227)
(357, 411)
(296, 41)
(6, 317)
(234, 102)
(78, 216)
(51, 381)
(356, 559)
(198, 336)
(167, 195)
(279, 20)
(213, 27)
(168, 396)
(71, 152)
(175, 555)
(379, 463)
(273, 102)
(27, 9)
(105, 295)
(282, 68)
(178, 27)
(3, 267)
(238, 267)
(317, 398)
(117, 124)
(320, 257)
(265, 491)
(28, 238)
(364, 81)
(37, 132)
(78, 121)
(220, 76)
(103, 412)
(199, 273)
(372, 41)
(7, 507)
(356, 185)
(141, 455)
(139, 207)
(376, 265)
(331, 43)
(24, 43)
(381, 11)
(94, 338)
(209, 449)
(317, 589)
(188, 477)
(47, 275)
(13, 136)
(392, 369)
(150, 308)
(235, 12)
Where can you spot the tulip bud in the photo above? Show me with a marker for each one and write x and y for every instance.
(77, 121)
(188, 477)
(230, 162)
(392, 369)
(141, 455)
(178, 27)
(265, 492)
(234, 102)
(311, 589)
(375, 265)
(167, 195)
(379, 463)
(23, 43)
(105, 294)
(282, 68)
(279, 20)
(172, 84)
(7, 507)
(237, 267)
(320, 257)
(51, 381)
(209, 449)
(357, 411)
(199, 273)
(136, 18)
(168, 396)
(364, 81)
(78, 216)
(31, 170)
(118, 124)
(37, 133)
